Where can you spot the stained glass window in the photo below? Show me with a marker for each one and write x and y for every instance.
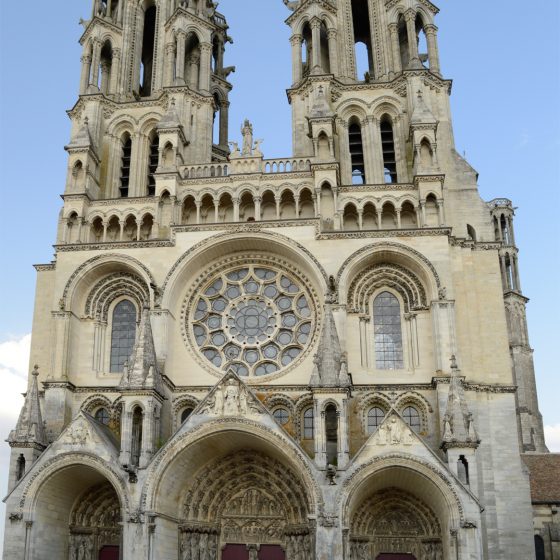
(102, 415)
(253, 320)
(412, 417)
(387, 332)
(282, 416)
(308, 424)
(123, 334)
(374, 418)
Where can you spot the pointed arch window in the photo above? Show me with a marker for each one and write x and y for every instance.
(153, 163)
(136, 443)
(412, 418)
(388, 148)
(147, 60)
(123, 334)
(125, 166)
(308, 424)
(388, 332)
(20, 467)
(374, 419)
(362, 39)
(356, 153)
(186, 413)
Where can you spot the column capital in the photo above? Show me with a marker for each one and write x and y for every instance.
(430, 29)
(86, 59)
(410, 15)
(170, 48)
(394, 27)
(316, 23)
(296, 39)
(332, 33)
(206, 47)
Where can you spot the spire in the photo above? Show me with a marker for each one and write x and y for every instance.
(331, 368)
(29, 428)
(458, 424)
(82, 138)
(421, 113)
(141, 372)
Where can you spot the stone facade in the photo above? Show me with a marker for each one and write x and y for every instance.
(321, 356)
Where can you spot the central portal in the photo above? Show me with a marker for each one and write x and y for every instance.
(253, 552)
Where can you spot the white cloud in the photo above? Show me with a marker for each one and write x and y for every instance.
(552, 435)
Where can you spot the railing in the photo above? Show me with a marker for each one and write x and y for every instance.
(285, 165)
(207, 171)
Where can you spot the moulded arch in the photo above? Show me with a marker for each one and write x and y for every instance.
(122, 124)
(354, 109)
(389, 253)
(190, 450)
(225, 245)
(93, 270)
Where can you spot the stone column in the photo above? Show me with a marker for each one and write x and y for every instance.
(343, 447)
(316, 39)
(115, 70)
(126, 436)
(121, 224)
(431, 39)
(94, 77)
(296, 41)
(105, 76)
(193, 78)
(379, 218)
(277, 200)
(410, 18)
(236, 209)
(333, 51)
(205, 66)
(398, 213)
(105, 225)
(86, 71)
(169, 64)
(421, 214)
(441, 215)
(180, 59)
(360, 218)
(257, 201)
(198, 204)
(216, 210)
(395, 48)
(224, 122)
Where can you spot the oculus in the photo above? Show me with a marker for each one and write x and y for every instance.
(254, 320)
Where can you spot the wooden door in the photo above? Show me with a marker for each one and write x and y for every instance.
(109, 553)
(235, 552)
(271, 552)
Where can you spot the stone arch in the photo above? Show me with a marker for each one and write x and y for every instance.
(408, 480)
(255, 465)
(71, 478)
(92, 271)
(421, 273)
(217, 247)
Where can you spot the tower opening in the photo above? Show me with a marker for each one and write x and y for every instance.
(307, 50)
(324, 55)
(362, 39)
(106, 66)
(147, 60)
(422, 42)
(153, 163)
(388, 148)
(136, 447)
(20, 467)
(331, 433)
(357, 153)
(125, 165)
(192, 61)
(403, 43)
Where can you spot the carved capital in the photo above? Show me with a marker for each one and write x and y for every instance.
(296, 40)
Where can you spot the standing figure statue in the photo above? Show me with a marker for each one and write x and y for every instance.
(231, 398)
(247, 133)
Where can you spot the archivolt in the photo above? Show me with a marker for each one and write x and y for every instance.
(402, 280)
(119, 284)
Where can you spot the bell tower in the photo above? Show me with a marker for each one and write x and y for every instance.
(153, 96)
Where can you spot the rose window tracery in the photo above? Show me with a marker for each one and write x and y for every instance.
(254, 320)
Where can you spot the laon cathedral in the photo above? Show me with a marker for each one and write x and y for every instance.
(321, 356)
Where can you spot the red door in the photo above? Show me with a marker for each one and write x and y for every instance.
(235, 552)
(397, 556)
(109, 553)
(271, 552)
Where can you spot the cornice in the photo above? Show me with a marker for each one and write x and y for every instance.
(438, 178)
(252, 227)
(421, 232)
(383, 187)
(45, 267)
(97, 21)
(474, 245)
(75, 247)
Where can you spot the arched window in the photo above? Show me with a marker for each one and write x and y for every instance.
(307, 50)
(388, 333)
(362, 39)
(357, 153)
(463, 469)
(20, 467)
(106, 65)
(308, 424)
(125, 165)
(123, 334)
(374, 419)
(388, 148)
(422, 42)
(186, 413)
(403, 43)
(331, 434)
(153, 163)
(136, 443)
(282, 416)
(102, 415)
(412, 417)
(539, 548)
(148, 43)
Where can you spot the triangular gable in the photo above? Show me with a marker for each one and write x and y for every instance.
(230, 397)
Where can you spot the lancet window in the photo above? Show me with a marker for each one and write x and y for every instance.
(123, 334)
(412, 417)
(362, 39)
(388, 332)
(153, 163)
(356, 153)
(308, 424)
(148, 43)
(125, 166)
(388, 148)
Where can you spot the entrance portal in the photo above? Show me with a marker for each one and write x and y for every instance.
(109, 553)
(242, 552)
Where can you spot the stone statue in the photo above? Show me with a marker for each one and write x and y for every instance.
(219, 402)
(235, 153)
(247, 133)
(242, 402)
(203, 546)
(447, 430)
(394, 432)
(212, 547)
(257, 148)
(231, 398)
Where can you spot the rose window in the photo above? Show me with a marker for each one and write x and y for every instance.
(253, 320)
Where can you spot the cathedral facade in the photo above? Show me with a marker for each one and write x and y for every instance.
(323, 356)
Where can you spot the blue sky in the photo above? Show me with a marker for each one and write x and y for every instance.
(503, 56)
